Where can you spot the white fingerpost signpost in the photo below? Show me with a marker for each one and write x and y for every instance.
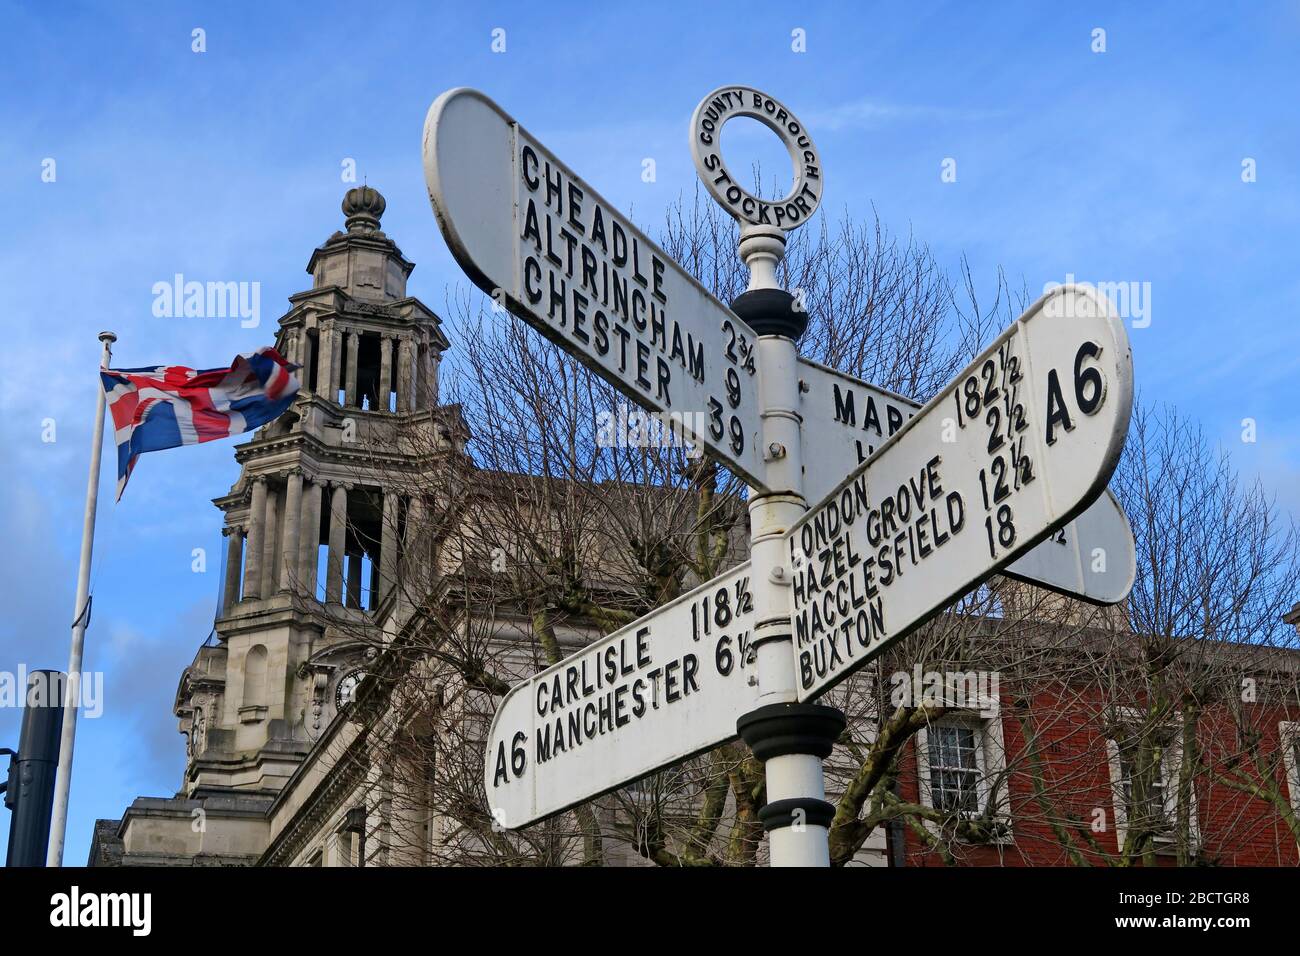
(1003, 460)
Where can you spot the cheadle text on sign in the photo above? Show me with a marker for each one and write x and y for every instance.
(542, 242)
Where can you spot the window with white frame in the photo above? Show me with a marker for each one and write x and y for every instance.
(1129, 746)
(1157, 796)
(955, 767)
(961, 760)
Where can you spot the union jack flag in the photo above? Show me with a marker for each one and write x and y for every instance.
(170, 405)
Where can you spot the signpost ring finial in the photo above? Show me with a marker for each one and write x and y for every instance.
(728, 102)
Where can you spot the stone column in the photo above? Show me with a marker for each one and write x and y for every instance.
(387, 563)
(324, 358)
(336, 363)
(289, 578)
(414, 544)
(350, 386)
(416, 379)
(431, 374)
(309, 537)
(234, 561)
(417, 375)
(256, 540)
(385, 370)
(354, 579)
(405, 379)
(338, 537)
(374, 586)
(270, 549)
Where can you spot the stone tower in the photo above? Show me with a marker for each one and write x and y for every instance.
(314, 531)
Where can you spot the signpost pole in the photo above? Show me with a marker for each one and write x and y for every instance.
(790, 738)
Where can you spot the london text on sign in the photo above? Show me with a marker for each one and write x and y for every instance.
(656, 692)
(1019, 444)
(728, 102)
(533, 235)
(846, 419)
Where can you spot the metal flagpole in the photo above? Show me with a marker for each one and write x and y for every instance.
(72, 690)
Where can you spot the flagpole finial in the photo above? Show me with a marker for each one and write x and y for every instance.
(109, 337)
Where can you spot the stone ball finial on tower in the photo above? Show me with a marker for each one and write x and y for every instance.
(363, 205)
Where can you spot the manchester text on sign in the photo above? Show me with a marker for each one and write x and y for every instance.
(660, 690)
(1022, 441)
(846, 419)
(546, 246)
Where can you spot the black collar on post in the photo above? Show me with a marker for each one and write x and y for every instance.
(780, 729)
(771, 312)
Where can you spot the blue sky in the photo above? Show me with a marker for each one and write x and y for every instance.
(225, 165)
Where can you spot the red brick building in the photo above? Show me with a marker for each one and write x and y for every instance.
(1062, 780)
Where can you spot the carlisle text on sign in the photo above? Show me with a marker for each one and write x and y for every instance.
(649, 695)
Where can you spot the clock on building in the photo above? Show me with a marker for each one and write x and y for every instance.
(347, 687)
